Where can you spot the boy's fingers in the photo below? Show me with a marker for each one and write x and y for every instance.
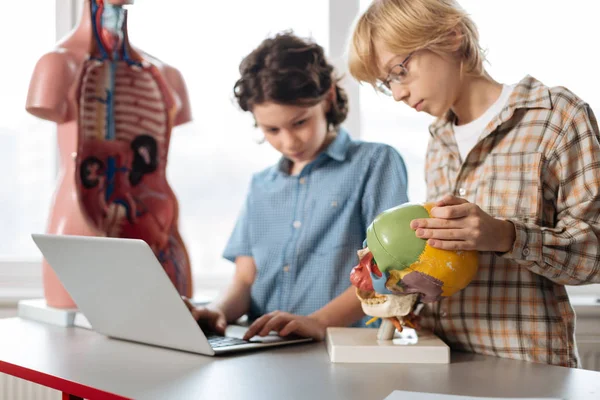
(256, 326)
(451, 244)
(450, 200)
(451, 211)
(204, 314)
(273, 325)
(435, 223)
(220, 325)
(443, 234)
(289, 328)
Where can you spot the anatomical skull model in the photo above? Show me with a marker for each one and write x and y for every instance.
(397, 270)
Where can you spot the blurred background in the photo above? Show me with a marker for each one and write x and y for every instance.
(212, 158)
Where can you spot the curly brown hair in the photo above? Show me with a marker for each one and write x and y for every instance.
(286, 69)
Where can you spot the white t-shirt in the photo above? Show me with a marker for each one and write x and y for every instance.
(466, 135)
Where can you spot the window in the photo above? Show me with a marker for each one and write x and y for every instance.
(552, 42)
(546, 39)
(27, 144)
(212, 158)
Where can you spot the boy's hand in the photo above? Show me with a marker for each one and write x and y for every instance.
(285, 324)
(456, 224)
(208, 316)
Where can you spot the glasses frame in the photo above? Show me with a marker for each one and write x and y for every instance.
(385, 86)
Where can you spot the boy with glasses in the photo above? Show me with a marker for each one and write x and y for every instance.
(515, 171)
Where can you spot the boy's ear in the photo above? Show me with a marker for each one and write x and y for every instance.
(331, 97)
(456, 37)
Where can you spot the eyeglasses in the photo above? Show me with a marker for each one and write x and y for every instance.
(397, 74)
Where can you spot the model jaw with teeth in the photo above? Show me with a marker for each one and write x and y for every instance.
(394, 307)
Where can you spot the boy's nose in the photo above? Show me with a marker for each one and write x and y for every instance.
(290, 141)
(400, 92)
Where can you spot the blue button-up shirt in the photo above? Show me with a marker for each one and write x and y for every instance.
(303, 231)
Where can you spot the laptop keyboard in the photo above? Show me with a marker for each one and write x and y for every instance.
(217, 341)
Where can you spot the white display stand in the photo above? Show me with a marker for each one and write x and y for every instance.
(360, 345)
(38, 310)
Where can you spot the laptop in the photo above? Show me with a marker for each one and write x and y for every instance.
(124, 292)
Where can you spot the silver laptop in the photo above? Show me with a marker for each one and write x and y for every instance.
(124, 293)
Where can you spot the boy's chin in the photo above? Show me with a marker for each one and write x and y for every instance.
(431, 109)
(437, 113)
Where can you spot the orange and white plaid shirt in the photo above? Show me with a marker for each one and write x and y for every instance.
(537, 164)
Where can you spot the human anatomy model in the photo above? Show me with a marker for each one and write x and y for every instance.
(397, 270)
(115, 107)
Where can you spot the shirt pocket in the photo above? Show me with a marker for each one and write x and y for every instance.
(334, 221)
(335, 203)
(509, 185)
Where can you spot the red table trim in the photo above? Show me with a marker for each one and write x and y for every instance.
(57, 383)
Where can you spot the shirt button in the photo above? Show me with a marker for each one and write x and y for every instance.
(286, 268)
(297, 224)
(462, 191)
(302, 181)
(526, 251)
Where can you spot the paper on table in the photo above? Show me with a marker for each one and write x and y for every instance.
(404, 395)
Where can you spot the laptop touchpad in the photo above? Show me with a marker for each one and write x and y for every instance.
(238, 331)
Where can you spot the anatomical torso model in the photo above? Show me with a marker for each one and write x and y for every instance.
(115, 107)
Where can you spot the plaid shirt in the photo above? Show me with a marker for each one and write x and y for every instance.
(537, 164)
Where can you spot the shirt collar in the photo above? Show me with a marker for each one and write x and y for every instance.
(338, 149)
(529, 93)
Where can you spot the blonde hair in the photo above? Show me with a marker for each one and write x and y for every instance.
(405, 26)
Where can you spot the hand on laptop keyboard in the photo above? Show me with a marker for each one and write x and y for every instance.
(208, 317)
(286, 324)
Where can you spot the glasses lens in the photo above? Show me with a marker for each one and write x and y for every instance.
(383, 88)
(398, 74)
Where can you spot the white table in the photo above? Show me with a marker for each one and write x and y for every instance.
(83, 363)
